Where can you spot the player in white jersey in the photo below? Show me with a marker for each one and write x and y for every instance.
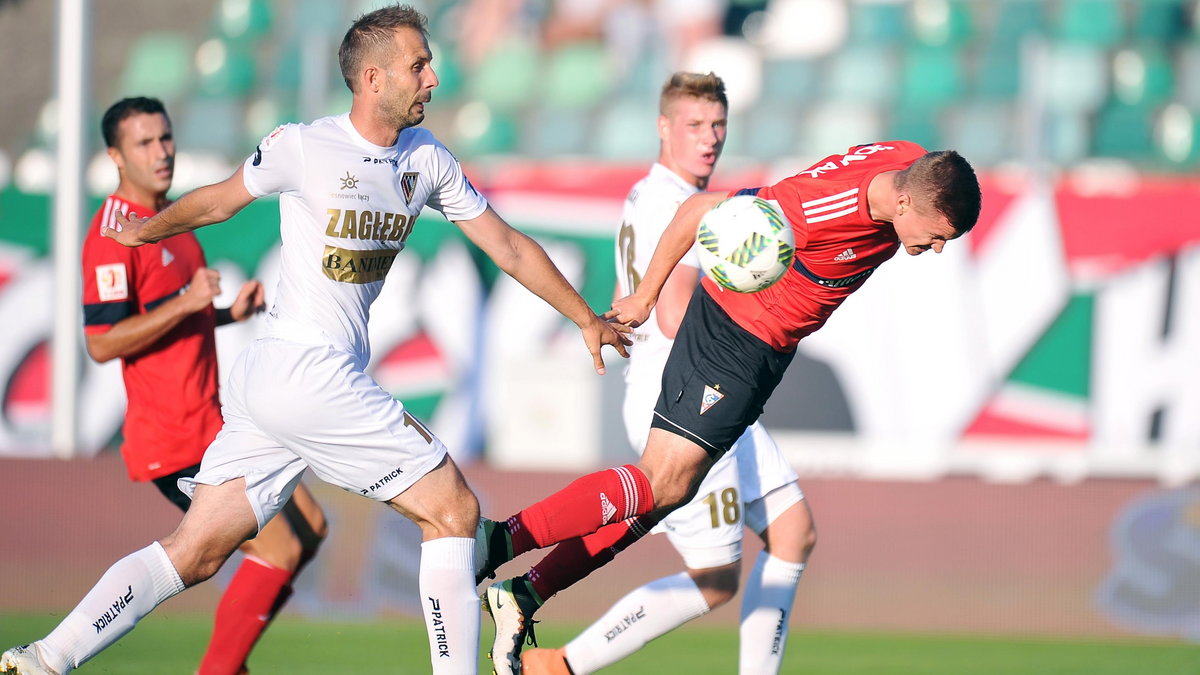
(752, 485)
(351, 189)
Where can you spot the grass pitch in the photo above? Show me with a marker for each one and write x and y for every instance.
(172, 643)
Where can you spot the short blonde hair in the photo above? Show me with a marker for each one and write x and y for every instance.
(707, 87)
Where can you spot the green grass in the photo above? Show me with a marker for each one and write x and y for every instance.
(173, 643)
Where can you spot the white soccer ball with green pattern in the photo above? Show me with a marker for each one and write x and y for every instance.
(745, 243)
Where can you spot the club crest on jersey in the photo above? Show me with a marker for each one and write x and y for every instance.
(408, 184)
(711, 398)
(111, 282)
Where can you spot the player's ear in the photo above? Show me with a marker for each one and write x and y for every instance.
(117, 158)
(663, 125)
(372, 79)
(903, 203)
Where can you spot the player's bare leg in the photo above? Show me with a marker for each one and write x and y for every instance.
(262, 583)
(219, 520)
(771, 587)
(446, 510)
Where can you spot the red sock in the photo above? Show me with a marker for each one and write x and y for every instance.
(584, 506)
(574, 559)
(244, 612)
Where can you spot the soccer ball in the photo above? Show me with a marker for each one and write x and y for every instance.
(745, 244)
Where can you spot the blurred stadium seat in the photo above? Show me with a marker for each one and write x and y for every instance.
(159, 64)
(576, 76)
(626, 131)
(1095, 22)
(507, 79)
(935, 71)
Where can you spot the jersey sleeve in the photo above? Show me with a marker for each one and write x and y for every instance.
(109, 284)
(453, 195)
(277, 165)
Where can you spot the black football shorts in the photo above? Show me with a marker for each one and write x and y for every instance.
(169, 486)
(717, 378)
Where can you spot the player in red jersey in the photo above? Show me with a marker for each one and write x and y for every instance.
(152, 308)
(850, 213)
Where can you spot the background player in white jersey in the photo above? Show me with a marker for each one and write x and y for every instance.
(753, 484)
(351, 188)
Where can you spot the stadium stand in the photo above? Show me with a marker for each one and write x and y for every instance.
(1120, 78)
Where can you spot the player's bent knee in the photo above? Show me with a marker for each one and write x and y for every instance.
(718, 585)
(809, 539)
(195, 564)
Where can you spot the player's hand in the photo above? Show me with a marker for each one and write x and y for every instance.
(128, 230)
(250, 301)
(598, 333)
(205, 285)
(630, 310)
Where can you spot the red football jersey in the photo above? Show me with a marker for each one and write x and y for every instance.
(173, 411)
(838, 244)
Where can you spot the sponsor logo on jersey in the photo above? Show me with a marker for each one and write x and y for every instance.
(114, 611)
(349, 182)
(350, 266)
(112, 282)
(711, 397)
(369, 225)
(167, 258)
(408, 184)
(607, 510)
(382, 160)
(848, 254)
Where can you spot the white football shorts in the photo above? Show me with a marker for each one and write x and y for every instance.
(750, 485)
(289, 406)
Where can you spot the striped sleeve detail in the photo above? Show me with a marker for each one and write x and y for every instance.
(830, 207)
(112, 206)
(153, 304)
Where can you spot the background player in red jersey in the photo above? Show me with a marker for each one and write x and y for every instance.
(152, 308)
(850, 213)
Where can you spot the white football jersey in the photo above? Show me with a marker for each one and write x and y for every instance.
(648, 210)
(346, 208)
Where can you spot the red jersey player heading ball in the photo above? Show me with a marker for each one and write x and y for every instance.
(850, 212)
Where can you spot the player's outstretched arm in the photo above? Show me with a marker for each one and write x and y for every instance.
(210, 204)
(679, 236)
(523, 259)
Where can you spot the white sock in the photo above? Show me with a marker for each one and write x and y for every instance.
(766, 609)
(447, 585)
(644, 614)
(129, 590)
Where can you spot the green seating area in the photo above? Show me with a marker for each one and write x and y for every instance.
(1108, 79)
